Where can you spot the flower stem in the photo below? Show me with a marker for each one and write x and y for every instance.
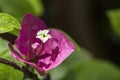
(47, 77)
(20, 68)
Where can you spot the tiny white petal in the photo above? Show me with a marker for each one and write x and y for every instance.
(43, 35)
(46, 31)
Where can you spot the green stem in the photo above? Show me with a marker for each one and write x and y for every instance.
(21, 68)
(31, 70)
(47, 77)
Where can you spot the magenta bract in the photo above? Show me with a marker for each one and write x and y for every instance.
(42, 48)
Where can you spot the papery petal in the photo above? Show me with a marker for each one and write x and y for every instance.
(40, 70)
(59, 47)
(17, 55)
(30, 26)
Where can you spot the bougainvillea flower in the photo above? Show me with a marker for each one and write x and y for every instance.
(40, 47)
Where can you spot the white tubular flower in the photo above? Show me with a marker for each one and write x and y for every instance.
(43, 35)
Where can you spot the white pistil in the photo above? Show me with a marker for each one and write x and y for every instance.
(43, 35)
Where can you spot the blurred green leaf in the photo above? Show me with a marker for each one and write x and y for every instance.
(94, 70)
(18, 8)
(114, 16)
(7, 72)
(4, 50)
(37, 7)
(3, 45)
(8, 23)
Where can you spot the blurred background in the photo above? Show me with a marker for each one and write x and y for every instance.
(94, 25)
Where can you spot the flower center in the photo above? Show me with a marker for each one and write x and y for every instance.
(43, 35)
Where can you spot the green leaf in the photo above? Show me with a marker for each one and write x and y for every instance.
(94, 70)
(18, 8)
(3, 45)
(8, 23)
(114, 16)
(9, 73)
(37, 7)
(4, 50)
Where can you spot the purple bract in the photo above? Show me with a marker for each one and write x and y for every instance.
(42, 48)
